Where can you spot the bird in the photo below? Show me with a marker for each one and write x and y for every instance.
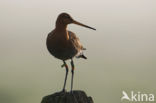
(125, 96)
(64, 44)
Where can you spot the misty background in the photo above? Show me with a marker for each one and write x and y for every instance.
(121, 53)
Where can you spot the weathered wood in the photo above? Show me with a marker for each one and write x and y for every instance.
(67, 97)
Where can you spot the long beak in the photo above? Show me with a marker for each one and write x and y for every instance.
(78, 23)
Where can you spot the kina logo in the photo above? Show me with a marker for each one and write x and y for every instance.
(137, 96)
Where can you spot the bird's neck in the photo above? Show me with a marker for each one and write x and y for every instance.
(62, 29)
(61, 26)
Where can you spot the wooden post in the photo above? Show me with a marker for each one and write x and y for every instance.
(67, 97)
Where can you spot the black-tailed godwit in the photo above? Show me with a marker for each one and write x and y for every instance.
(64, 44)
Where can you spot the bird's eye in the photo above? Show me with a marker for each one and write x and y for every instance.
(67, 16)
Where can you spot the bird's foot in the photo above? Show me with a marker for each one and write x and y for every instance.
(63, 91)
(71, 92)
(74, 96)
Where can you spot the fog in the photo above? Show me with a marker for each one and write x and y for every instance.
(121, 52)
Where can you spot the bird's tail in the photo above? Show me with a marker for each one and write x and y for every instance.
(82, 56)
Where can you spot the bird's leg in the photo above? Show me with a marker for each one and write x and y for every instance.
(72, 71)
(66, 66)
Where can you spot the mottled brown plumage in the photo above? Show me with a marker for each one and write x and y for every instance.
(64, 44)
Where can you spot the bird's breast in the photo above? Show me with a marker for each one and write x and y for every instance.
(60, 47)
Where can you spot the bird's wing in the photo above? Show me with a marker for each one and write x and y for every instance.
(124, 93)
(76, 40)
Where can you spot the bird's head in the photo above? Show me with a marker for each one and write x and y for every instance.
(65, 19)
